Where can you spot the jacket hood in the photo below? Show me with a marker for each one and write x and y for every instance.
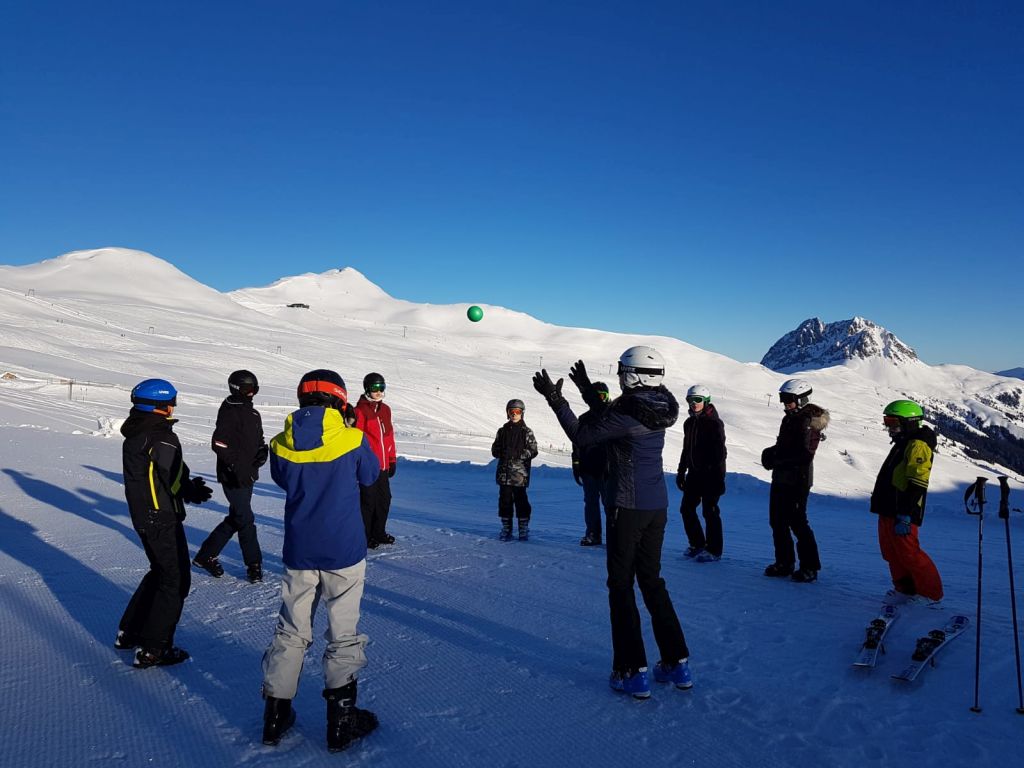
(654, 407)
(923, 433)
(817, 415)
(145, 421)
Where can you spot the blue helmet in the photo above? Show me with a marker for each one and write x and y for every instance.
(149, 394)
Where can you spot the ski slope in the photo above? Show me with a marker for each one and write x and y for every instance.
(481, 652)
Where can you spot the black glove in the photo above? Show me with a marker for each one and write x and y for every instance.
(576, 476)
(680, 480)
(552, 391)
(261, 455)
(768, 458)
(196, 491)
(578, 376)
(392, 469)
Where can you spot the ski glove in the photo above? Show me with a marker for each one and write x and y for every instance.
(196, 491)
(578, 376)
(552, 391)
(902, 527)
(680, 480)
(261, 455)
(392, 469)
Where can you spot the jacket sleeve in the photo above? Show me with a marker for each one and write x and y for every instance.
(718, 452)
(168, 467)
(496, 445)
(368, 465)
(608, 426)
(225, 441)
(531, 445)
(389, 442)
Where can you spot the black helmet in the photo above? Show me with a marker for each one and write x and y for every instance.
(602, 390)
(515, 404)
(322, 387)
(243, 383)
(373, 382)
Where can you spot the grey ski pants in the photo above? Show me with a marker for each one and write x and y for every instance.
(301, 592)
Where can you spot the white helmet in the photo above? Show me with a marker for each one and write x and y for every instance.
(699, 390)
(641, 367)
(795, 390)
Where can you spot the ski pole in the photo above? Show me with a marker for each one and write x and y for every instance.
(978, 490)
(1004, 513)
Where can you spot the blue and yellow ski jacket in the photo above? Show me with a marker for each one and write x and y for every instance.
(320, 463)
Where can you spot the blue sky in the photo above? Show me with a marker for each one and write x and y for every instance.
(717, 172)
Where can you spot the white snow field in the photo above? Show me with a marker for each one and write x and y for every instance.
(481, 653)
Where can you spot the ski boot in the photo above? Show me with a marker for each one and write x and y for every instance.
(692, 552)
(209, 564)
(345, 721)
(524, 529)
(278, 717)
(678, 673)
(805, 576)
(254, 573)
(635, 683)
(506, 529)
(386, 538)
(125, 641)
(707, 557)
(159, 657)
(778, 570)
(591, 540)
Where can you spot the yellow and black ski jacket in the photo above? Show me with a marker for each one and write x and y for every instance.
(901, 487)
(154, 470)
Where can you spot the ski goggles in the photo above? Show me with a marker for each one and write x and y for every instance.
(377, 386)
(605, 397)
(891, 421)
(788, 397)
(514, 411)
(693, 399)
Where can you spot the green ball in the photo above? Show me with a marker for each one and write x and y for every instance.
(475, 314)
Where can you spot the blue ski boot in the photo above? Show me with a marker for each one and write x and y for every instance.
(636, 684)
(679, 674)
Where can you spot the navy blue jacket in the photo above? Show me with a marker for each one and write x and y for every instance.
(633, 431)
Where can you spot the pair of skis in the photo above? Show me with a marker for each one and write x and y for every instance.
(924, 651)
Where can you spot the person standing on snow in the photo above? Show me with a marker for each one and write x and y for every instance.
(157, 485)
(633, 430)
(373, 417)
(514, 447)
(241, 451)
(321, 463)
(701, 475)
(899, 498)
(791, 461)
(589, 465)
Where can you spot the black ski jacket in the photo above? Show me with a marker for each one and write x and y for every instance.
(239, 443)
(514, 447)
(154, 470)
(791, 459)
(633, 430)
(702, 462)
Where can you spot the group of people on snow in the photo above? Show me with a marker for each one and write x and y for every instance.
(334, 461)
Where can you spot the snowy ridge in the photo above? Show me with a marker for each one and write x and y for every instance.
(815, 344)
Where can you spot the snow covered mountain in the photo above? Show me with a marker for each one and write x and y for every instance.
(814, 344)
(982, 413)
(1013, 373)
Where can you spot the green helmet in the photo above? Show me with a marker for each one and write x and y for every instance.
(905, 409)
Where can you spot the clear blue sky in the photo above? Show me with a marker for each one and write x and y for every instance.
(712, 171)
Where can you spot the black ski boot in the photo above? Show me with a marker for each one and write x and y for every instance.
(778, 570)
(524, 529)
(278, 717)
(125, 641)
(345, 721)
(805, 576)
(159, 657)
(506, 529)
(209, 564)
(254, 573)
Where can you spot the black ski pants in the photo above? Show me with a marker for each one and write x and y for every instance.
(695, 534)
(239, 520)
(375, 502)
(787, 514)
(634, 539)
(513, 498)
(153, 612)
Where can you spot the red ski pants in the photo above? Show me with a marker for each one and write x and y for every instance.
(913, 572)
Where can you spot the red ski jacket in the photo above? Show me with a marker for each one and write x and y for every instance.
(374, 418)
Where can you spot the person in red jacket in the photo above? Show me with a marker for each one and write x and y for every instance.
(373, 417)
